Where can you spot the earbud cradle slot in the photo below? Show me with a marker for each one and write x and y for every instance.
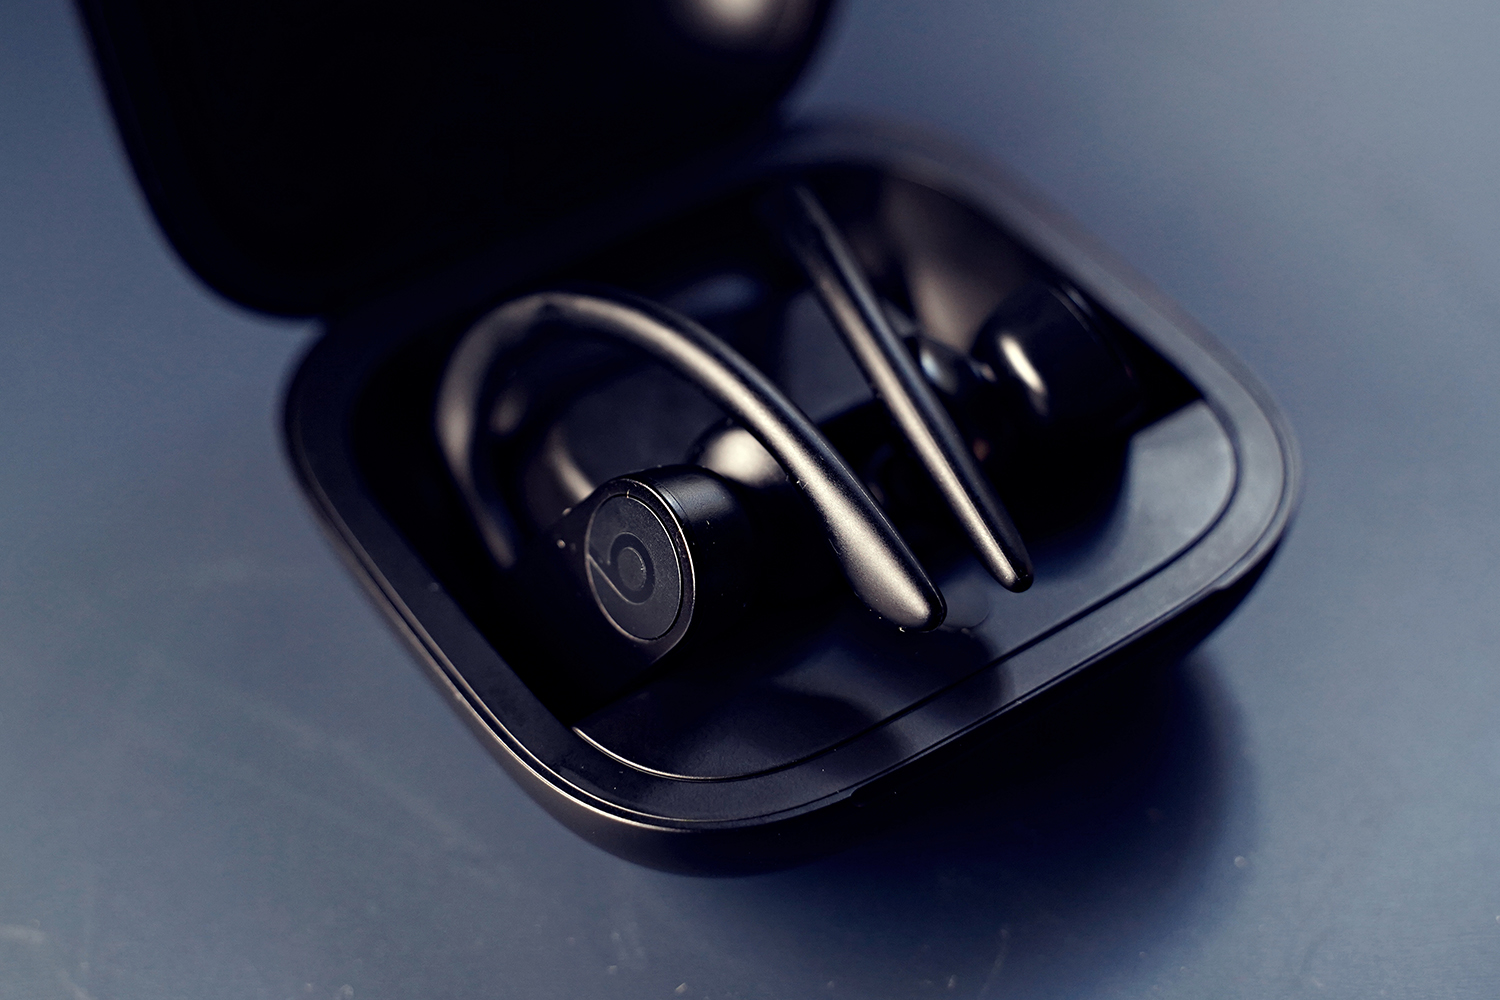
(788, 718)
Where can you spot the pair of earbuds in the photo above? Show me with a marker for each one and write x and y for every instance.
(659, 555)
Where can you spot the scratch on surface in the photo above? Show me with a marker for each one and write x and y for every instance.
(21, 934)
(1305, 972)
(454, 839)
(625, 936)
(79, 993)
(993, 979)
(313, 739)
(37, 941)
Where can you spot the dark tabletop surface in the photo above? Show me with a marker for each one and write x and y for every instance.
(220, 776)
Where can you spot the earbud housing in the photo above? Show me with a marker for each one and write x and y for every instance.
(640, 562)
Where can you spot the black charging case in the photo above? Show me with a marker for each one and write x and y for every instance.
(397, 172)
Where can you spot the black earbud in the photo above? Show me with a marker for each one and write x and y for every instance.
(650, 558)
(1043, 374)
(667, 551)
(660, 551)
(695, 544)
(1043, 390)
(899, 384)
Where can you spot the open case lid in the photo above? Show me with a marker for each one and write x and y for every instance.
(299, 155)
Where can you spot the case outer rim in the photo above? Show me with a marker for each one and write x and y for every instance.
(593, 796)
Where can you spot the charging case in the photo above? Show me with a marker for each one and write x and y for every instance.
(399, 173)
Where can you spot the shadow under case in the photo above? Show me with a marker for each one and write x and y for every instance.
(639, 156)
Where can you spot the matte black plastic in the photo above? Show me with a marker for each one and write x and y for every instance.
(632, 567)
(624, 576)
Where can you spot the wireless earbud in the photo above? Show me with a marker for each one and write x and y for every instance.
(900, 385)
(1046, 398)
(661, 551)
(664, 551)
(1042, 387)
(649, 558)
(1057, 373)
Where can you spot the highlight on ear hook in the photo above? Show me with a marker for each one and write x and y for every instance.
(879, 565)
(845, 292)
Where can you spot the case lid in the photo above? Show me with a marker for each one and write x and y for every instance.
(298, 153)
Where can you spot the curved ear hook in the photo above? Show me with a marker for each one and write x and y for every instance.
(876, 560)
(851, 304)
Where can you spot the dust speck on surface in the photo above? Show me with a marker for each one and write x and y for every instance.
(991, 983)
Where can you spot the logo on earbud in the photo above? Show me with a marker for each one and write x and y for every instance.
(632, 567)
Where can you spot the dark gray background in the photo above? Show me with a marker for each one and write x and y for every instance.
(221, 777)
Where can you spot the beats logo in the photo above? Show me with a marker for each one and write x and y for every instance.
(632, 568)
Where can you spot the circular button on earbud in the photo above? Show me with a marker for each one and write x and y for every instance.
(633, 569)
